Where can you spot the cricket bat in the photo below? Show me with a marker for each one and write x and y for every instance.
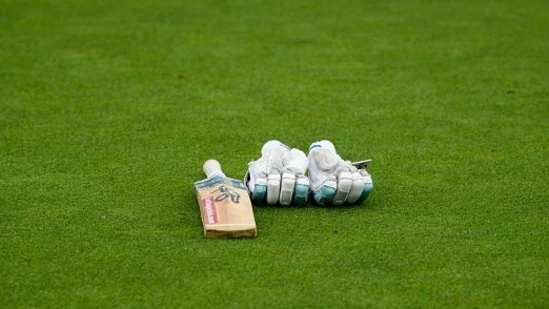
(225, 205)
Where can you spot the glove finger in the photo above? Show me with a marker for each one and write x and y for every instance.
(301, 192)
(368, 187)
(287, 188)
(344, 185)
(356, 188)
(260, 190)
(273, 187)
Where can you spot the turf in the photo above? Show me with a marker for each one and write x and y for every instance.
(109, 108)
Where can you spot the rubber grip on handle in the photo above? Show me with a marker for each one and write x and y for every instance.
(212, 168)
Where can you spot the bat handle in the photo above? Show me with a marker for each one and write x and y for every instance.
(212, 168)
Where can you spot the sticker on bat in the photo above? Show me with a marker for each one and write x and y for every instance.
(225, 192)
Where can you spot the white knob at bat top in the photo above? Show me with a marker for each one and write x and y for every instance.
(213, 168)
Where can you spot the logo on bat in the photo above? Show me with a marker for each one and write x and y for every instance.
(226, 192)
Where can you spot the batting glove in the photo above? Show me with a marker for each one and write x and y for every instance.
(334, 181)
(278, 177)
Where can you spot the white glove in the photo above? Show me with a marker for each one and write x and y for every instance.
(278, 177)
(335, 181)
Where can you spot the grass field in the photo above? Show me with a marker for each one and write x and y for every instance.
(109, 108)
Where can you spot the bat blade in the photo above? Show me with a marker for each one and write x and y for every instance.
(225, 205)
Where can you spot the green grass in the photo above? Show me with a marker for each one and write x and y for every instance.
(109, 108)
